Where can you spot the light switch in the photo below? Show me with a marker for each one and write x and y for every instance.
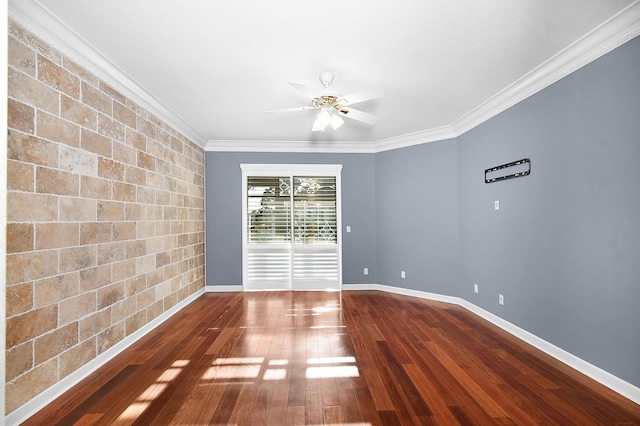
(348, 228)
(496, 204)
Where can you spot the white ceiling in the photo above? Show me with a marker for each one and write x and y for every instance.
(214, 67)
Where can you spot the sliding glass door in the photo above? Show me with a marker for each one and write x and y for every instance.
(290, 228)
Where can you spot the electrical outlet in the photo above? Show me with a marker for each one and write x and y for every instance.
(402, 274)
(496, 204)
(501, 299)
(348, 228)
(475, 288)
(366, 271)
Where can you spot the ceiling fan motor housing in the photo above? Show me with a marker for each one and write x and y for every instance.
(326, 78)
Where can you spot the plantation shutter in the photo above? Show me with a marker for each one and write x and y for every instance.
(291, 225)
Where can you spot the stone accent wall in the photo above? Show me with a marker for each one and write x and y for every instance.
(105, 217)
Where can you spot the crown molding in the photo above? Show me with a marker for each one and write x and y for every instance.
(346, 147)
(614, 32)
(40, 21)
(417, 138)
(611, 34)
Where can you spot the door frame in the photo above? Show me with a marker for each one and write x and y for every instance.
(291, 170)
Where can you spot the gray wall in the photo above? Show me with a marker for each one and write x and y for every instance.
(224, 212)
(417, 218)
(564, 248)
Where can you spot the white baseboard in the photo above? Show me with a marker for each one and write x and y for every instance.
(47, 396)
(222, 288)
(614, 383)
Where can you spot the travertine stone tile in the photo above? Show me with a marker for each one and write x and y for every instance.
(135, 285)
(94, 323)
(30, 91)
(146, 161)
(124, 192)
(57, 77)
(19, 360)
(21, 57)
(95, 232)
(110, 295)
(78, 113)
(124, 115)
(111, 252)
(123, 270)
(122, 310)
(111, 211)
(78, 161)
(31, 265)
(93, 278)
(57, 129)
(24, 327)
(105, 218)
(123, 231)
(77, 258)
(112, 92)
(109, 337)
(20, 176)
(136, 248)
(91, 187)
(136, 140)
(155, 310)
(20, 116)
(56, 235)
(96, 143)
(125, 154)
(78, 209)
(54, 289)
(19, 298)
(145, 127)
(77, 307)
(134, 211)
(96, 99)
(29, 149)
(51, 344)
(111, 128)
(110, 169)
(53, 181)
(20, 237)
(31, 383)
(135, 322)
(77, 356)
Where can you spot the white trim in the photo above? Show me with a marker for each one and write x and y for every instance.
(290, 170)
(614, 383)
(36, 18)
(3, 217)
(346, 147)
(223, 288)
(47, 396)
(617, 30)
(611, 34)
(614, 32)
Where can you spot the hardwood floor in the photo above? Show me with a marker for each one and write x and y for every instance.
(356, 357)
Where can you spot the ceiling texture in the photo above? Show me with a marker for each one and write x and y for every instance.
(212, 68)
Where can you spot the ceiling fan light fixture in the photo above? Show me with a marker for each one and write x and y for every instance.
(322, 120)
(336, 121)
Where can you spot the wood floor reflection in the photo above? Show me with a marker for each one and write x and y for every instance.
(365, 357)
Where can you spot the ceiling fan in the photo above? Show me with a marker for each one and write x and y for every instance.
(332, 105)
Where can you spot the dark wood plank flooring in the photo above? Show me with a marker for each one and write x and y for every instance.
(355, 357)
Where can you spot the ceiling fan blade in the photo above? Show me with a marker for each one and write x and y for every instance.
(358, 115)
(303, 108)
(304, 90)
(361, 96)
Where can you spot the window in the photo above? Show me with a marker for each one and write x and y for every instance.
(291, 223)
